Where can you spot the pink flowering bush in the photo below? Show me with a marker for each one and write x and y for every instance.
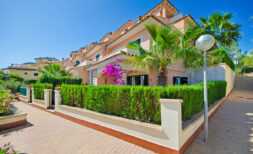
(114, 73)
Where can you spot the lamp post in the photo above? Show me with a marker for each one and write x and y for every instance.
(205, 43)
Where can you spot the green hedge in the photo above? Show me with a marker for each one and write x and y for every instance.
(5, 99)
(62, 80)
(29, 82)
(39, 90)
(140, 103)
(247, 69)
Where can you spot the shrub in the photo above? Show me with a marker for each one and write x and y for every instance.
(1, 85)
(5, 99)
(247, 69)
(2, 75)
(11, 85)
(74, 95)
(216, 91)
(7, 149)
(28, 82)
(39, 90)
(15, 77)
(62, 80)
(140, 103)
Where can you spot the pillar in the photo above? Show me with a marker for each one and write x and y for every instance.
(171, 118)
(48, 98)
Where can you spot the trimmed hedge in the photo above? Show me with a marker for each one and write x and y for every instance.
(140, 103)
(59, 81)
(39, 90)
(28, 82)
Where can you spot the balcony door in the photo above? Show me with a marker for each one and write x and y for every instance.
(138, 80)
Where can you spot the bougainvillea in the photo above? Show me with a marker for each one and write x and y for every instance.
(114, 73)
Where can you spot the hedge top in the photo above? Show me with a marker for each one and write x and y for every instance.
(140, 103)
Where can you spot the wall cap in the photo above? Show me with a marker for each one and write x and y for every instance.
(180, 101)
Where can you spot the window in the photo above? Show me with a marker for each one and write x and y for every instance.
(138, 41)
(177, 80)
(77, 63)
(97, 57)
(35, 74)
(138, 80)
(93, 77)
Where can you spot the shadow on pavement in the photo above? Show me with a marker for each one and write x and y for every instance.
(7, 132)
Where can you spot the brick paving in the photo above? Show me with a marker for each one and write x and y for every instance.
(231, 129)
(49, 134)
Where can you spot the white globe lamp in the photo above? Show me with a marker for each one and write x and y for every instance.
(205, 43)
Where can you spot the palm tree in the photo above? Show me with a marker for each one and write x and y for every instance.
(162, 52)
(188, 52)
(53, 71)
(246, 60)
(222, 28)
(225, 32)
(169, 45)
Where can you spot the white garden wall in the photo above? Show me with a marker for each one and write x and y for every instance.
(221, 72)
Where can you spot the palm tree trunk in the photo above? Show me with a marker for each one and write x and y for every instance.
(162, 78)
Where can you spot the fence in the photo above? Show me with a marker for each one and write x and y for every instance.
(22, 91)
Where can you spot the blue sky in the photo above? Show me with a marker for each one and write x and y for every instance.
(33, 28)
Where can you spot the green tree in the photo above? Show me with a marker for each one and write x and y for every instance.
(162, 52)
(52, 72)
(222, 28)
(226, 34)
(245, 64)
(1, 75)
(188, 52)
(10, 81)
(247, 60)
(169, 45)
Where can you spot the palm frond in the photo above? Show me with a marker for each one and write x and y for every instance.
(152, 29)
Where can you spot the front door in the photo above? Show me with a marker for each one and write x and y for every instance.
(52, 106)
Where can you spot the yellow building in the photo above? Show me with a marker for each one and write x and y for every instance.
(30, 71)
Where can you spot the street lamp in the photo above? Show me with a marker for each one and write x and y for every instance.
(205, 43)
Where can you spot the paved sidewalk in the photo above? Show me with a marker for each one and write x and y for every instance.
(50, 134)
(231, 128)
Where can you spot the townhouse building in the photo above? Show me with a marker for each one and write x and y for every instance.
(88, 62)
(31, 70)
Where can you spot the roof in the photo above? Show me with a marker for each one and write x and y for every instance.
(143, 19)
(92, 45)
(46, 58)
(115, 35)
(159, 4)
(21, 68)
